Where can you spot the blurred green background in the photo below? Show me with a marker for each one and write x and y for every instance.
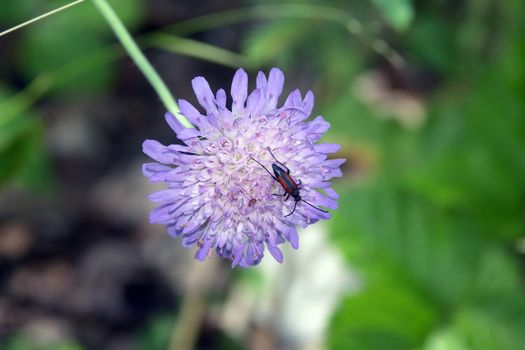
(427, 249)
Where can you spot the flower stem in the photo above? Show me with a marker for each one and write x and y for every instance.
(140, 60)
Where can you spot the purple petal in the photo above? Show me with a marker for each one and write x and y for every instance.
(179, 148)
(162, 214)
(190, 112)
(202, 253)
(220, 98)
(254, 254)
(204, 95)
(176, 176)
(327, 148)
(172, 231)
(155, 172)
(191, 227)
(293, 238)
(238, 254)
(158, 151)
(329, 173)
(254, 100)
(308, 103)
(294, 99)
(322, 215)
(276, 252)
(261, 82)
(319, 184)
(275, 87)
(320, 200)
(222, 239)
(190, 239)
(164, 196)
(330, 192)
(188, 134)
(302, 109)
(173, 122)
(333, 163)
(318, 125)
(239, 90)
(211, 121)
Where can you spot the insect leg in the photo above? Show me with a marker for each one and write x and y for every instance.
(295, 205)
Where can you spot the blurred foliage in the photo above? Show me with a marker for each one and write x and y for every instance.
(433, 228)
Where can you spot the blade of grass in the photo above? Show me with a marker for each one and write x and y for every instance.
(42, 16)
(198, 49)
(23, 100)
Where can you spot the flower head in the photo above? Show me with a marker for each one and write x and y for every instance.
(220, 194)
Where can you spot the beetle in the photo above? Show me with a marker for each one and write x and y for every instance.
(281, 174)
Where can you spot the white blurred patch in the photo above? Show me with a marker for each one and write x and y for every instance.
(296, 299)
(520, 245)
(372, 89)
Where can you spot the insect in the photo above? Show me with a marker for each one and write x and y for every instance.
(281, 174)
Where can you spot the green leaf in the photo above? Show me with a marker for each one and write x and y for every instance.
(23, 158)
(15, 155)
(274, 42)
(382, 317)
(21, 341)
(479, 328)
(156, 335)
(445, 339)
(13, 12)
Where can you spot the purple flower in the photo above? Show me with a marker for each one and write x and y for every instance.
(218, 197)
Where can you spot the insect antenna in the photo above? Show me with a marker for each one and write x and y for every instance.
(313, 206)
(268, 171)
(278, 162)
(294, 109)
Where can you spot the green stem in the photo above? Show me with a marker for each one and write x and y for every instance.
(188, 323)
(140, 60)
